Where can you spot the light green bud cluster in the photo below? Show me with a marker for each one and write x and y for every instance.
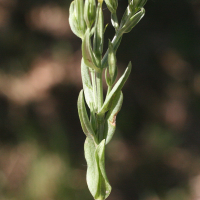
(133, 14)
(87, 22)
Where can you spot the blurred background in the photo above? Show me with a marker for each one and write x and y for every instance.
(155, 153)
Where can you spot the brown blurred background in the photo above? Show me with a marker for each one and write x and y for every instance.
(155, 153)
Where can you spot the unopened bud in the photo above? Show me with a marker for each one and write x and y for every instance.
(136, 4)
(112, 5)
(112, 68)
(99, 33)
(90, 12)
(132, 22)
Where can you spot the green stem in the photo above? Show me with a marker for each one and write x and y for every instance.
(99, 89)
(94, 89)
(109, 89)
(115, 42)
(114, 21)
(100, 118)
(93, 118)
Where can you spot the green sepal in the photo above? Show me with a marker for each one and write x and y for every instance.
(110, 121)
(83, 116)
(118, 86)
(126, 16)
(87, 85)
(87, 52)
(96, 175)
(133, 21)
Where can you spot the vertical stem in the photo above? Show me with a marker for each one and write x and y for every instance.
(94, 108)
(93, 118)
(100, 118)
(115, 42)
(94, 89)
(99, 90)
(108, 91)
(114, 21)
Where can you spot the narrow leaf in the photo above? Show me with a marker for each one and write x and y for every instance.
(118, 86)
(83, 116)
(130, 24)
(87, 52)
(112, 5)
(80, 16)
(126, 17)
(104, 185)
(110, 121)
(92, 176)
(87, 86)
(96, 175)
(73, 21)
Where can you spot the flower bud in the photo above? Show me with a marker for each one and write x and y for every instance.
(112, 5)
(99, 33)
(90, 12)
(111, 59)
(112, 68)
(132, 22)
(136, 4)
